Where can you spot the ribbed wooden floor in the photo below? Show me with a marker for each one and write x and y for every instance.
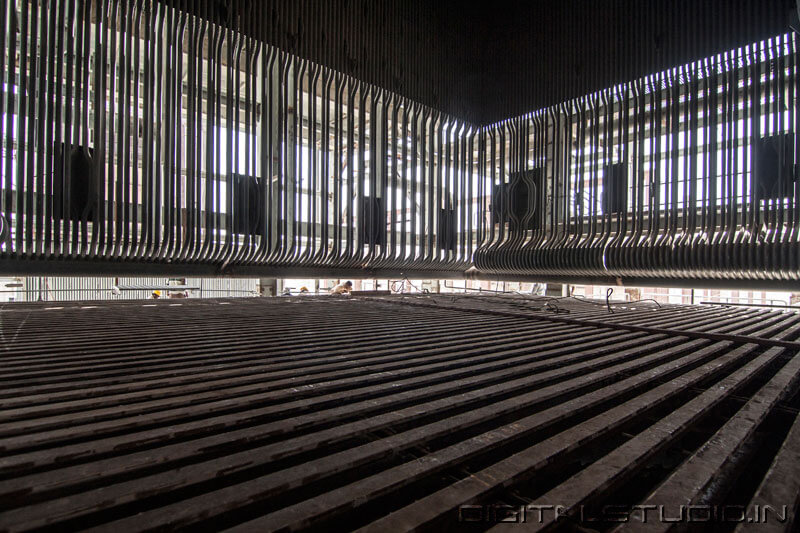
(388, 414)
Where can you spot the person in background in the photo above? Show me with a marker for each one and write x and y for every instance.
(156, 295)
(343, 288)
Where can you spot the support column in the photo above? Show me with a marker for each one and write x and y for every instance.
(268, 287)
(554, 290)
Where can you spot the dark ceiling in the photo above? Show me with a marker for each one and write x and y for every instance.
(543, 53)
(488, 61)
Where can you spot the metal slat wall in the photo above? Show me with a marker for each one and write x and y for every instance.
(162, 138)
(139, 138)
(687, 174)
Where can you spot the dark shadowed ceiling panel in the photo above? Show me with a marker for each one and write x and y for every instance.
(487, 61)
(428, 51)
(543, 53)
(136, 135)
